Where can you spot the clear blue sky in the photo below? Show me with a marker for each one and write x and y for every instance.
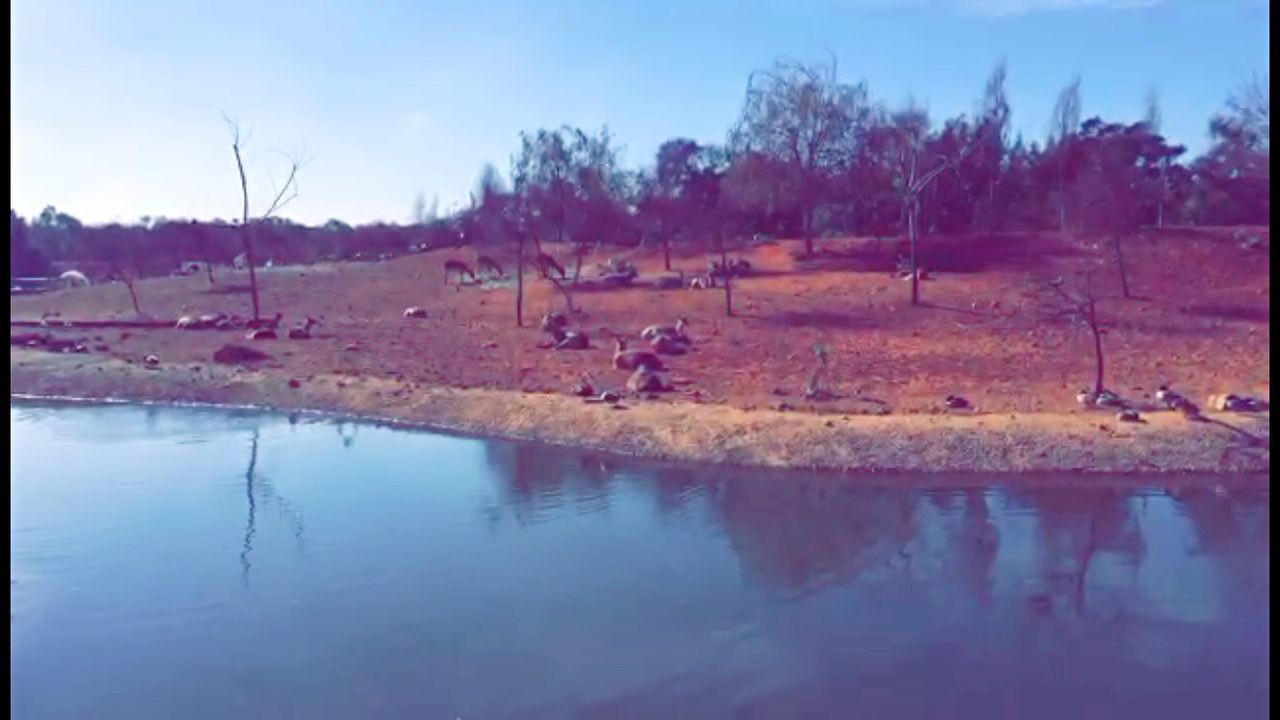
(117, 105)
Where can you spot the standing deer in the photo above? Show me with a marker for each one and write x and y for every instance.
(545, 264)
(484, 263)
(459, 267)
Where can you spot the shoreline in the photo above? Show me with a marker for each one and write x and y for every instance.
(1092, 443)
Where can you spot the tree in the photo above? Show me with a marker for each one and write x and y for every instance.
(419, 214)
(1065, 122)
(911, 179)
(1077, 304)
(713, 210)
(1233, 179)
(283, 197)
(802, 117)
(1115, 163)
(24, 258)
(541, 184)
(992, 131)
(124, 256)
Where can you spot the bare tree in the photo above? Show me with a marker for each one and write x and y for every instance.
(418, 215)
(913, 183)
(123, 254)
(1075, 303)
(1065, 122)
(286, 194)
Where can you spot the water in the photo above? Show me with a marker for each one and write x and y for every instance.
(172, 563)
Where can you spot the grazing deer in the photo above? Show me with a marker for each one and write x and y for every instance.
(545, 264)
(702, 282)
(484, 263)
(302, 331)
(459, 267)
(624, 359)
(265, 323)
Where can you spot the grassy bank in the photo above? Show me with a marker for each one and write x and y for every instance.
(1013, 442)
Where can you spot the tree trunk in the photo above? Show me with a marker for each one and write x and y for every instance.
(912, 211)
(728, 276)
(520, 280)
(666, 251)
(578, 251)
(1097, 344)
(244, 231)
(1124, 275)
(253, 275)
(133, 293)
(1062, 196)
(1164, 189)
(806, 223)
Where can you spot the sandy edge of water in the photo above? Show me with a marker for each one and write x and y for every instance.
(1039, 442)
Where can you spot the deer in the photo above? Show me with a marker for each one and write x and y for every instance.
(646, 380)
(262, 334)
(459, 267)
(552, 320)
(624, 359)
(569, 339)
(415, 312)
(676, 330)
(669, 345)
(302, 331)
(484, 263)
(265, 323)
(545, 264)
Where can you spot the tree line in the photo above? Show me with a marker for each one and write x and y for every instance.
(809, 156)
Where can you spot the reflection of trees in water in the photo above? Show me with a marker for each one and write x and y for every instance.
(348, 432)
(255, 485)
(977, 546)
(791, 534)
(1221, 520)
(1074, 525)
(799, 535)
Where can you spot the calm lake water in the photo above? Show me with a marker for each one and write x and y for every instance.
(171, 563)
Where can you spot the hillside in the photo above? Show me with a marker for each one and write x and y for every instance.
(1201, 323)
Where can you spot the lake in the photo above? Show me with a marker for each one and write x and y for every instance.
(197, 563)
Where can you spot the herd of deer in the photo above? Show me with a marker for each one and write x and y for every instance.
(646, 365)
(259, 329)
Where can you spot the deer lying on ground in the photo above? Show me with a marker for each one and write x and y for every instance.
(302, 331)
(265, 323)
(646, 380)
(624, 359)
(415, 312)
(676, 331)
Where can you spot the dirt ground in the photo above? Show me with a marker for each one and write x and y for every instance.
(1201, 322)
